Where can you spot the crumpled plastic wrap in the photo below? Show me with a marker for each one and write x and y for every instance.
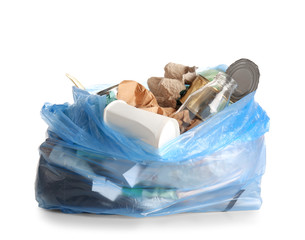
(86, 167)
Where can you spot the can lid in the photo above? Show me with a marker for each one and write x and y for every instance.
(246, 74)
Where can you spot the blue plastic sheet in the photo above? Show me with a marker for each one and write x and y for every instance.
(86, 167)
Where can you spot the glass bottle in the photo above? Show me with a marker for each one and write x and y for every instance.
(205, 102)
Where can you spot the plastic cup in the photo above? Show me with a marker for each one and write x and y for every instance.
(152, 128)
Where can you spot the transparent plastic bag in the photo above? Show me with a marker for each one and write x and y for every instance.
(86, 167)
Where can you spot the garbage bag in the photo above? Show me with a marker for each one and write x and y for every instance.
(85, 166)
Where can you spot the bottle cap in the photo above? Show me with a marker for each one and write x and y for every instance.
(246, 74)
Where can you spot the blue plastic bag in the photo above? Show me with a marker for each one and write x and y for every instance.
(86, 167)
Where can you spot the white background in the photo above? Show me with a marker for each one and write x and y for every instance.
(106, 42)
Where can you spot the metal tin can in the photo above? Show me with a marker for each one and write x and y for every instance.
(246, 74)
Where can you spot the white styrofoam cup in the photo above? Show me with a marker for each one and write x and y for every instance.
(152, 128)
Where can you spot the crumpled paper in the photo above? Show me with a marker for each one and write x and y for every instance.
(135, 94)
(167, 89)
(178, 71)
(184, 120)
